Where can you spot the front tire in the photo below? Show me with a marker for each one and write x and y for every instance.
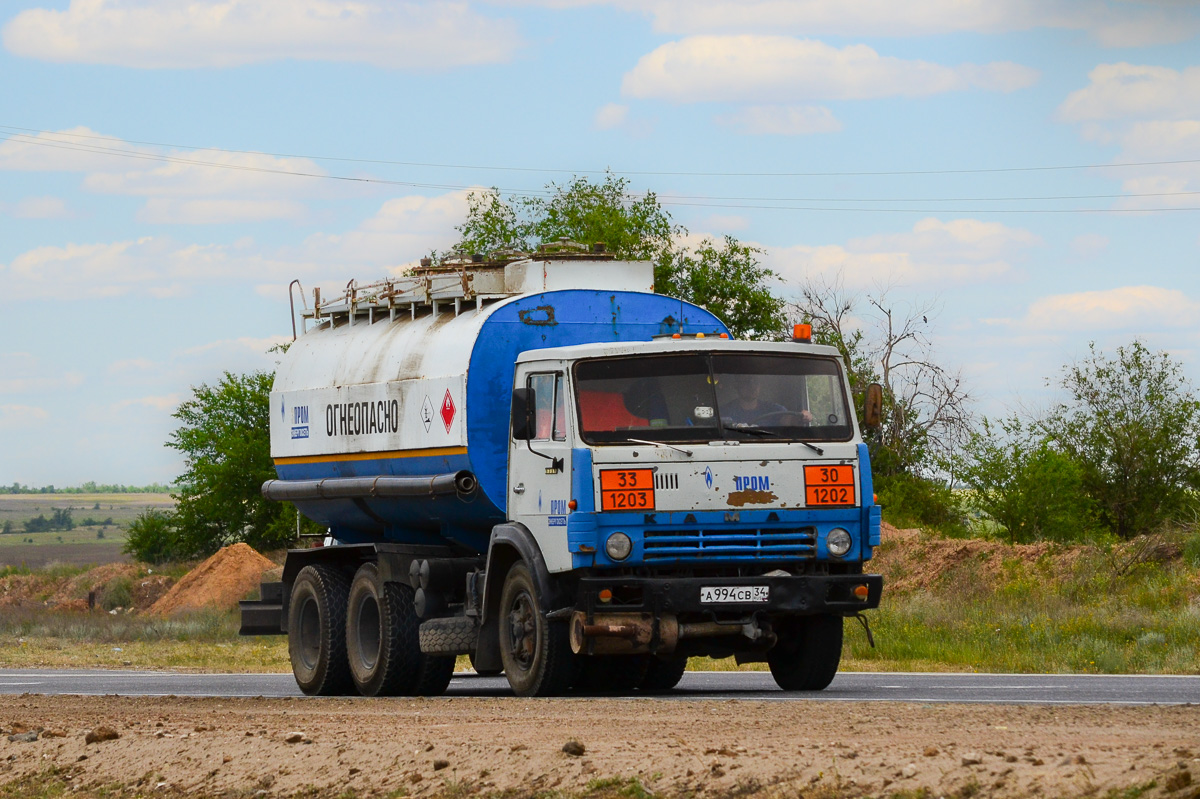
(536, 652)
(807, 655)
(663, 674)
(317, 631)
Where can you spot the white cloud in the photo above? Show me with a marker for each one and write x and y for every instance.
(1132, 91)
(1153, 114)
(22, 373)
(957, 252)
(781, 120)
(41, 208)
(1141, 308)
(422, 36)
(181, 186)
(166, 211)
(21, 417)
(1112, 22)
(772, 69)
(200, 173)
(610, 115)
(77, 149)
(403, 229)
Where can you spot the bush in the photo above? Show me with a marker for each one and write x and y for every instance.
(1131, 424)
(909, 500)
(1031, 489)
(152, 537)
(117, 593)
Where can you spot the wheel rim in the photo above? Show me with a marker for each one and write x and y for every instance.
(368, 632)
(310, 633)
(522, 630)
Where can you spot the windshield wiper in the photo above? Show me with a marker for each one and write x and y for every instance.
(662, 444)
(758, 431)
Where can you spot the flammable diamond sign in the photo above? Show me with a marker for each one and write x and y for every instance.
(447, 410)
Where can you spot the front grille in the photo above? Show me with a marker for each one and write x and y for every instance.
(753, 543)
(666, 482)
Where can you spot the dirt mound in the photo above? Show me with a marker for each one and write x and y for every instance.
(135, 584)
(913, 560)
(217, 583)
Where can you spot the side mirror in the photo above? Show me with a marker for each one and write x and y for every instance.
(873, 406)
(522, 414)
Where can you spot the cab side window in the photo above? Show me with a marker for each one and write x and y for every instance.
(549, 410)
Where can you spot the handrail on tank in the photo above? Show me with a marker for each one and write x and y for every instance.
(461, 483)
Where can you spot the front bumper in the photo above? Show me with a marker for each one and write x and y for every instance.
(802, 595)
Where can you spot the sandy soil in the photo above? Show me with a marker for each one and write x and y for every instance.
(463, 747)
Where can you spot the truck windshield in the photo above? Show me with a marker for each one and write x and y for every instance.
(705, 397)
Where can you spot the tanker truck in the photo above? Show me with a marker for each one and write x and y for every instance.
(541, 464)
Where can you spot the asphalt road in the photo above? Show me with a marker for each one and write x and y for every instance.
(1025, 689)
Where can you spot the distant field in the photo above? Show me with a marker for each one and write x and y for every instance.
(80, 546)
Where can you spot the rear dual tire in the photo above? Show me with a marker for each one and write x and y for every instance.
(317, 631)
(358, 636)
(382, 642)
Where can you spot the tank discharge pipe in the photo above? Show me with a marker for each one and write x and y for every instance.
(460, 483)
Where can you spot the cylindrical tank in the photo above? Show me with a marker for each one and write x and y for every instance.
(430, 395)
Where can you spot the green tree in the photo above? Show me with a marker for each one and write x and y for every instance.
(1025, 484)
(151, 537)
(730, 282)
(727, 279)
(1131, 423)
(224, 436)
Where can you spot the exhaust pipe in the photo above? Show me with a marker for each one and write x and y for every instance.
(632, 633)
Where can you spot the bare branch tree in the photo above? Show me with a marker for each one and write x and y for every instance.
(926, 405)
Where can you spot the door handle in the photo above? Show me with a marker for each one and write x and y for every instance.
(519, 488)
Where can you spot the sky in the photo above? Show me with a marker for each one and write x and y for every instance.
(1025, 173)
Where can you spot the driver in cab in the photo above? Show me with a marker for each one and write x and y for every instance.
(749, 407)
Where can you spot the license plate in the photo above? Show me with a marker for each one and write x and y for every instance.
(716, 594)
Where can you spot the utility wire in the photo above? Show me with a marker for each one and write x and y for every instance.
(482, 167)
(669, 200)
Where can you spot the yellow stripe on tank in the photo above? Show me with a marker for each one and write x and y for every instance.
(432, 452)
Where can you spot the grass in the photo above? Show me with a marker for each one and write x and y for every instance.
(996, 613)
(200, 642)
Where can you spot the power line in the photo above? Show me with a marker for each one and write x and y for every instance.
(663, 173)
(701, 201)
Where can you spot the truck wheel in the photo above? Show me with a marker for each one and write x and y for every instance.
(807, 655)
(317, 631)
(663, 674)
(536, 652)
(611, 674)
(375, 635)
(382, 641)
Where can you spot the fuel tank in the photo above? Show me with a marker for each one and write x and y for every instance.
(375, 402)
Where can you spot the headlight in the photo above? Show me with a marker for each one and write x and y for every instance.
(618, 546)
(837, 542)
